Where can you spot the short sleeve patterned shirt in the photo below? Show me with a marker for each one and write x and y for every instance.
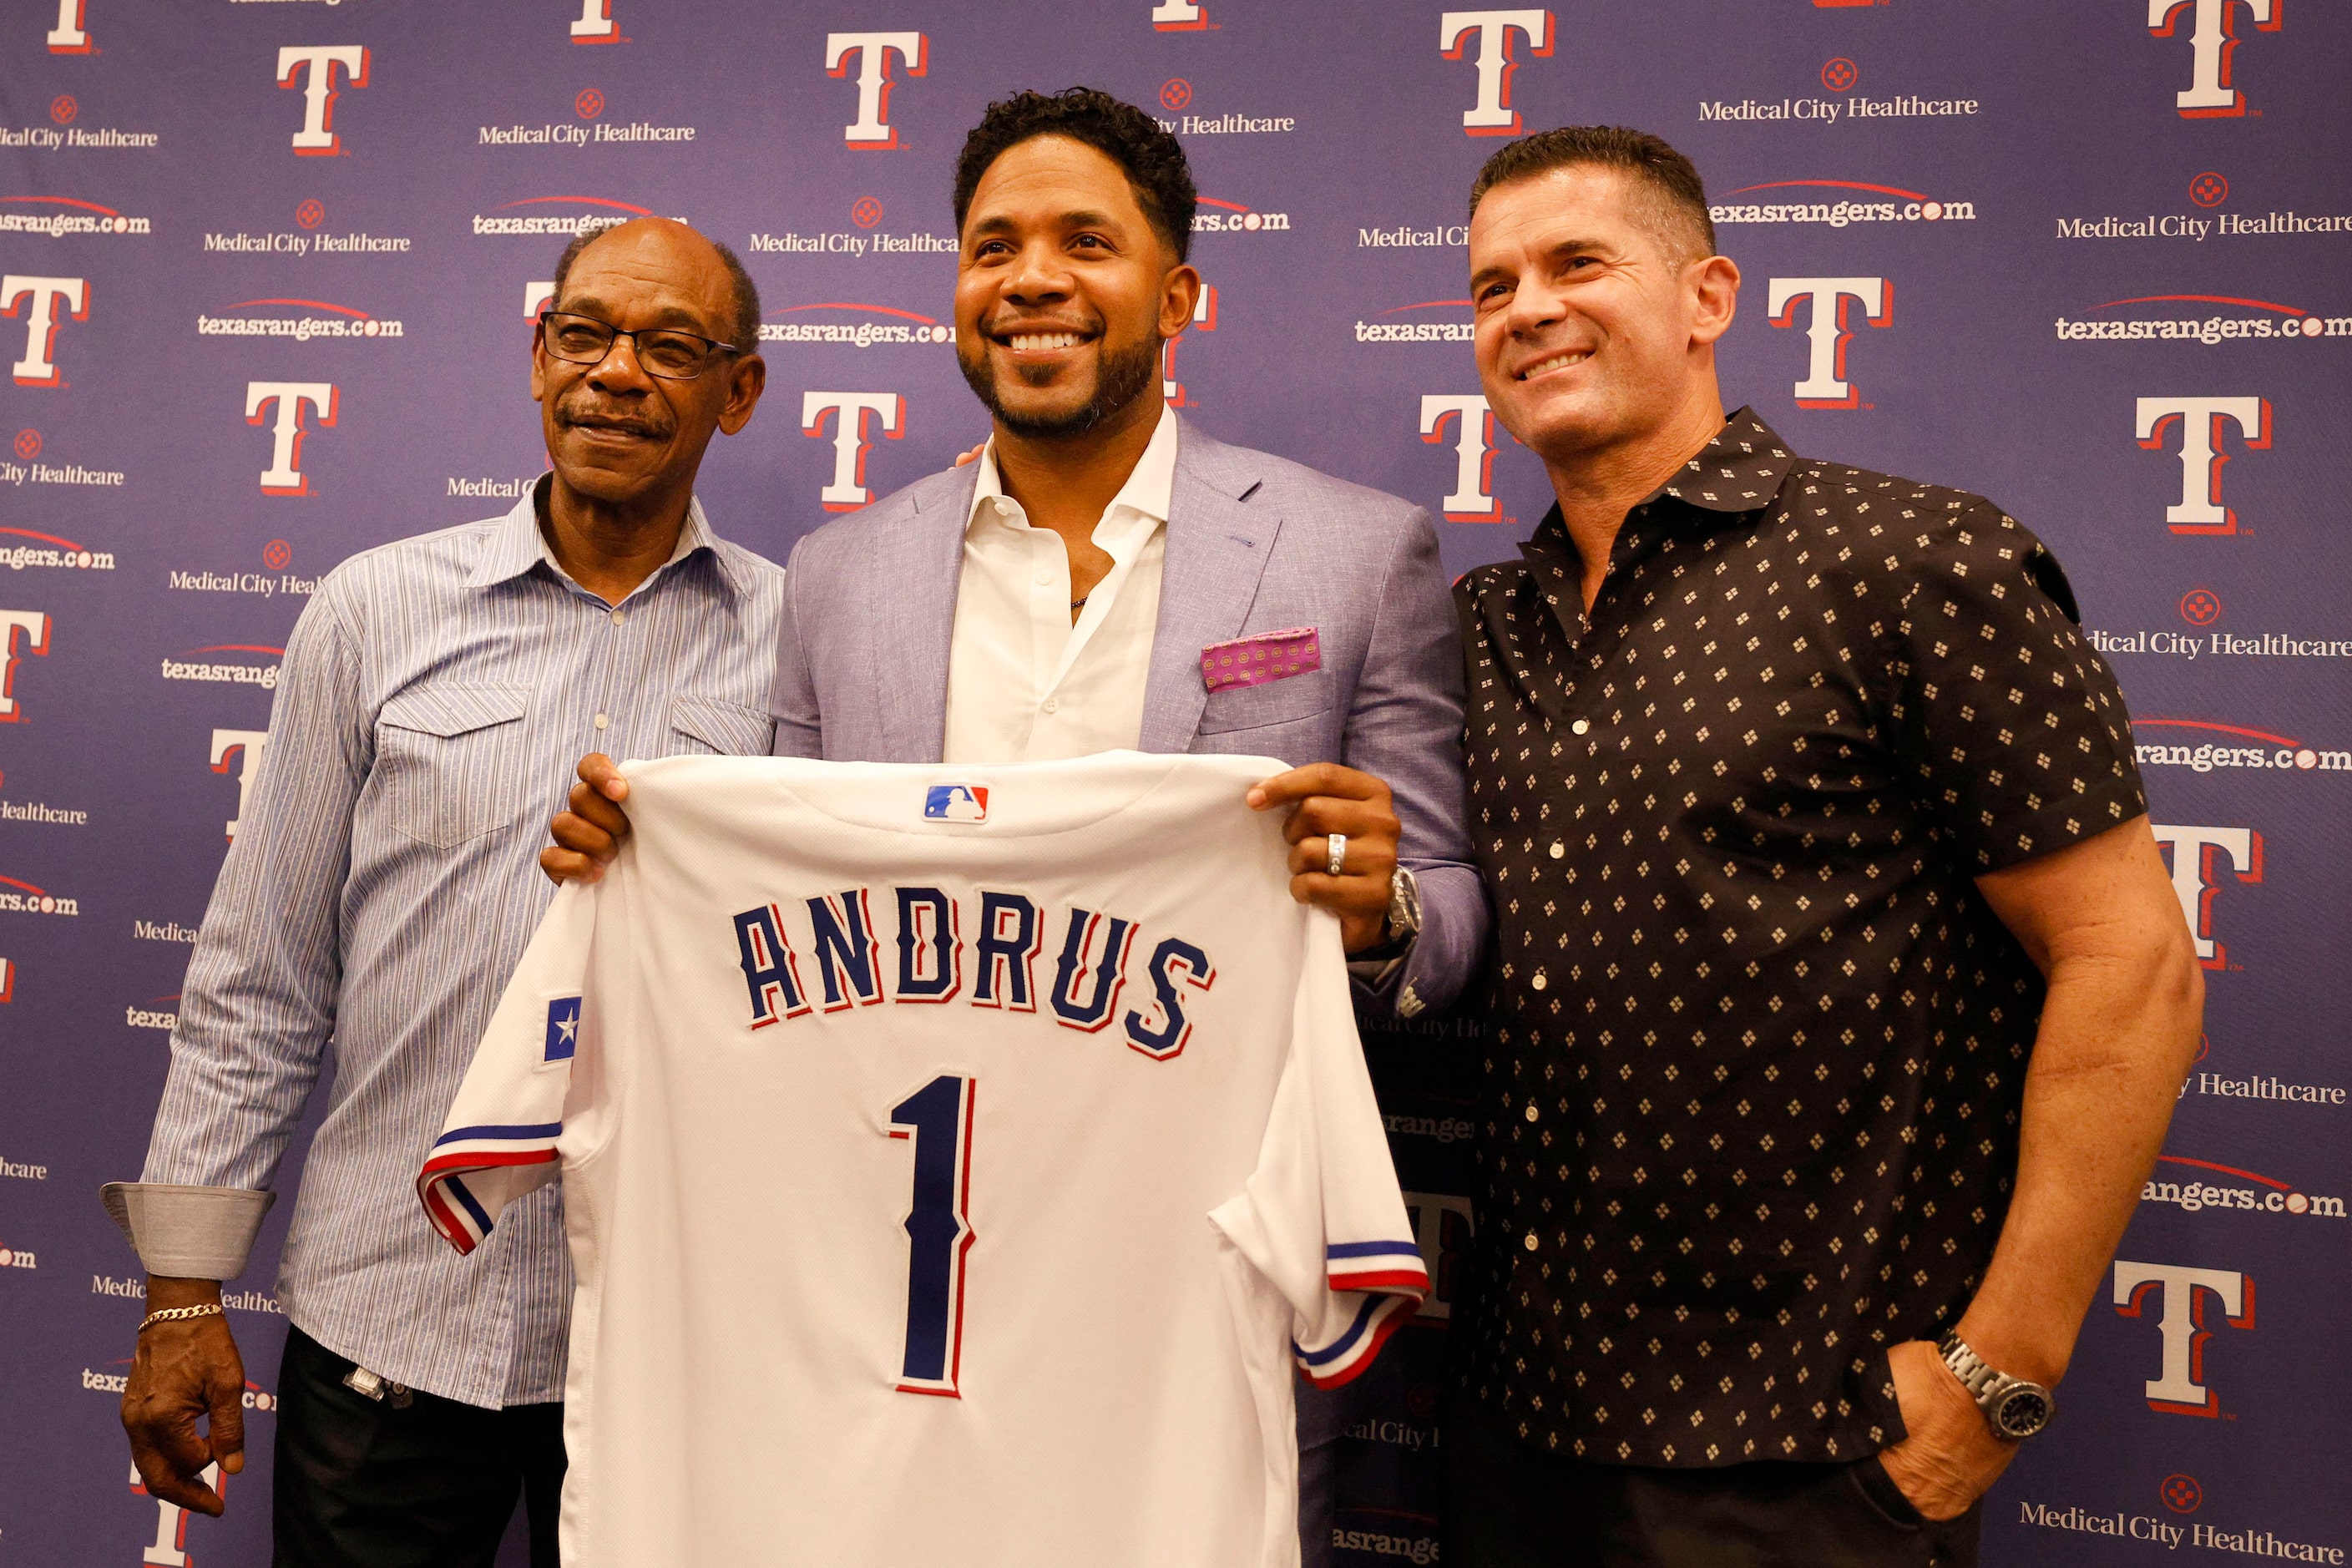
(1750, 1104)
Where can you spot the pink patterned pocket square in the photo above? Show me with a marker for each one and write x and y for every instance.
(1253, 661)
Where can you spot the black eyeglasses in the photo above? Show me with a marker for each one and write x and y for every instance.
(664, 352)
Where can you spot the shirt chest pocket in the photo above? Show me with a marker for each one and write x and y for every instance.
(1294, 696)
(451, 765)
(704, 726)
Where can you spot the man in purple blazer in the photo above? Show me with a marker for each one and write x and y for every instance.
(1106, 575)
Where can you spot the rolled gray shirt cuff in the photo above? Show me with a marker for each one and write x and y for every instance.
(188, 1233)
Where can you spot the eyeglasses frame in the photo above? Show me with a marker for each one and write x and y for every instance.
(712, 350)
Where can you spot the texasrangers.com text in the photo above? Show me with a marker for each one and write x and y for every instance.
(302, 328)
(1837, 215)
(2212, 330)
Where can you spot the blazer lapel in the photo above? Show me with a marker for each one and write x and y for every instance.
(913, 601)
(1216, 552)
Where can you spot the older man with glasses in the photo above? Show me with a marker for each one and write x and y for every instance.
(382, 885)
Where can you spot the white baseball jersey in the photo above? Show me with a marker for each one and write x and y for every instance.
(956, 1161)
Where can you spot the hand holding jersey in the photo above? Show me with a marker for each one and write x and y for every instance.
(1028, 1089)
(1330, 807)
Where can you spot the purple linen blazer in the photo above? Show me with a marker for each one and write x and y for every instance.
(1255, 545)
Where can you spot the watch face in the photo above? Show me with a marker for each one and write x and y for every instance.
(2023, 1412)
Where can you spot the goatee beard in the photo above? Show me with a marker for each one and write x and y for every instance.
(1125, 376)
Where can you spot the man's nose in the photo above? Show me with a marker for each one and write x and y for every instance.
(1041, 273)
(619, 370)
(1533, 307)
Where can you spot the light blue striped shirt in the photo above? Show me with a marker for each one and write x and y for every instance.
(383, 884)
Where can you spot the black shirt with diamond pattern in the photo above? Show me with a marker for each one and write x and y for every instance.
(1749, 1102)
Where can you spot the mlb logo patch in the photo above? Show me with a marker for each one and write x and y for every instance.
(563, 1028)
(956, 802)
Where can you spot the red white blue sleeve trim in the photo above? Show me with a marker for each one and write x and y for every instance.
(1354, 1348)
(506, 1161)
(1375, 1265)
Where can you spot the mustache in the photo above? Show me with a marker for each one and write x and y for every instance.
(585, 411)
(1003, 323)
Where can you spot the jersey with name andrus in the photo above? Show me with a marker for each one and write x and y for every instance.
(958, 1159)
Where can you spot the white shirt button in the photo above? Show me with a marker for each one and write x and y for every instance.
(619, 615)
(1044, 579)
(1051, 705)
(1581, 726)
(1531, 1113)
(1530, 1243)
(1557, 849)
(601, 721)
(1538, 982)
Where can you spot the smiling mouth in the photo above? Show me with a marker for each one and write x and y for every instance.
(612, 427)
(1552, 362)
(1040, 342)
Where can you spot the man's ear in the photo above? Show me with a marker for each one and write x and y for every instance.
(744, 383)
(1179, 296)
(539, 362)
(1715, 282)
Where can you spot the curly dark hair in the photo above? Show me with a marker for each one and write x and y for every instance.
(1152, 159)
(743, 332)
(1671, 199)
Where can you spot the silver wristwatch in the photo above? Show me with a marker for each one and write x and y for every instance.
(1404, 907)
(2014, 1408)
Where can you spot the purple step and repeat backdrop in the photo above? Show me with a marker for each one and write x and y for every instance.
(265, 271)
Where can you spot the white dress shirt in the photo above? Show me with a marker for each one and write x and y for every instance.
(1023, 683)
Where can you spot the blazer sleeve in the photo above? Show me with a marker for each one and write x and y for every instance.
(1404, 726)
(792, 699)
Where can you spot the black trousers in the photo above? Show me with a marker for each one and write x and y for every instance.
(363, 1484)
(1512, 1506)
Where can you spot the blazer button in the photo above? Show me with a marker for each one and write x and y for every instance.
(1537, 982)
(1581, 726)
(1530, 1243)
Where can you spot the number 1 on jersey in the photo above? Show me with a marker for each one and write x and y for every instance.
(937, 1118)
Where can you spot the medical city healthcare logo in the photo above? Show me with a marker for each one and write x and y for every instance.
(2212, 37)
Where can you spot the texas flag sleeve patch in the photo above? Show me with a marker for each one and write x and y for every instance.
(498, 1141)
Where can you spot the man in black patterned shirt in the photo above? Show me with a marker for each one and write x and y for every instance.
(1840, 994)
